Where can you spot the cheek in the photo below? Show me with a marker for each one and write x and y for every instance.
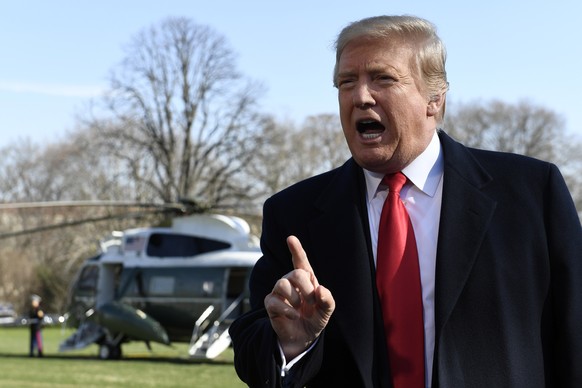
(348, 135)
(345, 115)
(344, 102)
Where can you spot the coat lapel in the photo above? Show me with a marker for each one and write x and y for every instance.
(465, 215)
(346, 249)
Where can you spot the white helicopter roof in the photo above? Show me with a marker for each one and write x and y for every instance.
(233, 230)
(230, 237)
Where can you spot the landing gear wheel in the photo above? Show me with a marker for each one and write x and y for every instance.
(103, 352)
(109, 352)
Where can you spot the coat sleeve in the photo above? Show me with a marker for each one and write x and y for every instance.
(257, 357)
(565, 249)
(254, 343)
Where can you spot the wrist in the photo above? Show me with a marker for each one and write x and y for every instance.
(294, 348)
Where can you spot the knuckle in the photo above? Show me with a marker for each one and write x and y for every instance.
(270, 302)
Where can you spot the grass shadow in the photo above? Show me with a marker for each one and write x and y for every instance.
(125, 358)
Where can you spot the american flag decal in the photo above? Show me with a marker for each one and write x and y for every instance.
(134, 243)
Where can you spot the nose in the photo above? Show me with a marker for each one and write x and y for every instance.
(362, 98)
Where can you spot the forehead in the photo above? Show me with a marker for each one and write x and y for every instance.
(373, 53)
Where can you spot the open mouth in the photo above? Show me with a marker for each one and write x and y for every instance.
(369, 129)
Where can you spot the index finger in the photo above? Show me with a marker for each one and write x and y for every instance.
(299, 257)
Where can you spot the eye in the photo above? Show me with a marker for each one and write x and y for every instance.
(346, 83)
(385, 78)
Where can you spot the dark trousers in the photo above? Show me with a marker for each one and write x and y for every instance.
(35, 342)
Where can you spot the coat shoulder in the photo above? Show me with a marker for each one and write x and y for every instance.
(310, 189)
(500, 166)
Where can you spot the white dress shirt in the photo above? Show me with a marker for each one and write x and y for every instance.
(422, 196)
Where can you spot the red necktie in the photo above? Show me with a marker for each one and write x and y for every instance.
(398, 282)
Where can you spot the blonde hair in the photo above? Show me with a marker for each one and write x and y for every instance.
(430, 56)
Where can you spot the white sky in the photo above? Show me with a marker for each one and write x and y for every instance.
(56, 55)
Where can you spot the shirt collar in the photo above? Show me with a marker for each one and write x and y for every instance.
(425, 172)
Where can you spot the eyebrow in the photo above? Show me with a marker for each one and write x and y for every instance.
(345, 74)
(373, 70)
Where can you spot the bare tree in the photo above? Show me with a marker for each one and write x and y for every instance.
(522, 128)
(44, 261)
(63, 170)
(292, 153)
(325, 142)
(180, 118)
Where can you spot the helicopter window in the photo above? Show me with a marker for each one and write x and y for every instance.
(178, 245)
(88, 278)
(162, 285)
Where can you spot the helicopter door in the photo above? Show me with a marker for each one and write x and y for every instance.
(236, 287)
(216, 339)
(107, 284)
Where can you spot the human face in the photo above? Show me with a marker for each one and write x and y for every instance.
(387, 117)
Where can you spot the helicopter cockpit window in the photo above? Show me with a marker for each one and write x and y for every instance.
(88, 278)
(178, 245)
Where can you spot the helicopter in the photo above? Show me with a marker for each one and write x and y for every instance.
(183, 283)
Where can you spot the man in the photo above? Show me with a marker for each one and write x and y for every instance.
(36, 316)
(497, 246)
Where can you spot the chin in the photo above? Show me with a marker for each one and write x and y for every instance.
(372, 165)
(385, 165)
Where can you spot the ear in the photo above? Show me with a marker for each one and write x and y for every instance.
(435, 103)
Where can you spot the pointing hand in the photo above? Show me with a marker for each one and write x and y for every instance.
(298, 307)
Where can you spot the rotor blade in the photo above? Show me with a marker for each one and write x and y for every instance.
(50, 204)
(80, 222)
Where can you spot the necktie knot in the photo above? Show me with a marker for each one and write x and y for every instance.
(394, 182)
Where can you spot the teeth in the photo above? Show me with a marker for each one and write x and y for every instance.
(370, 136)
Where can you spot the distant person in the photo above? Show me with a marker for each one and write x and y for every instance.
(35, 318)
(419, 262)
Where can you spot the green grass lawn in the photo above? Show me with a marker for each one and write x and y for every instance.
(162, 367)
